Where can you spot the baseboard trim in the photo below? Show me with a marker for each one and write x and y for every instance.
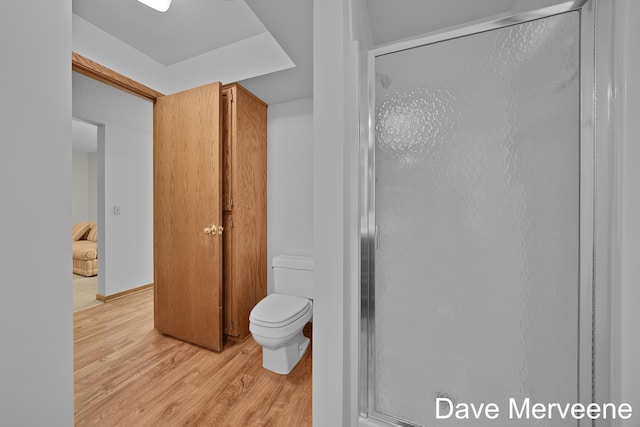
(107, 298)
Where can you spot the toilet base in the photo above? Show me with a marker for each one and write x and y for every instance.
(282, 360)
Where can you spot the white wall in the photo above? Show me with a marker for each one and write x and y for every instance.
(84, 187)
(79, 186)
(125, 178)
(36, 361)
(128, 183)
(331, 100)
(289, 180)
(626, 295)
(341, 32)
(92, 160)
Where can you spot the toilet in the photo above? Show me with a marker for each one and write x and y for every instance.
(276, 322)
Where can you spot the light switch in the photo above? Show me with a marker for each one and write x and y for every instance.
(117, 210)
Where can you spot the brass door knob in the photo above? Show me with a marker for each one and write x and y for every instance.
(210, 230)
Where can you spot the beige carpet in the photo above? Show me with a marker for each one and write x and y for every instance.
(84, 292)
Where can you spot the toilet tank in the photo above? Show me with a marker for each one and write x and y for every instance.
(293, 275)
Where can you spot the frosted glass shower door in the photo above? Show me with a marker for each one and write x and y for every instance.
(477, 205)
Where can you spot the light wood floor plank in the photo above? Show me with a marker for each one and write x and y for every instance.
(128, 374)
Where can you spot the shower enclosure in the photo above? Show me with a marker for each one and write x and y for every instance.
(478, 220)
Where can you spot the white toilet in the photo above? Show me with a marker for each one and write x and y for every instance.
(276, 322)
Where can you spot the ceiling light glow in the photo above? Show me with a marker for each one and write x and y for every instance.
(159, 5)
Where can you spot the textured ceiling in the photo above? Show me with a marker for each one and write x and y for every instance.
(189, 28)
(97, 102)
(291, 24)
(211, 40)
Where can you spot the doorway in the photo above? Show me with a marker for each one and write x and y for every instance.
(84, 209)
(124, 183)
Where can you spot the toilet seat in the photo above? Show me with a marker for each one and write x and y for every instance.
(278, 310)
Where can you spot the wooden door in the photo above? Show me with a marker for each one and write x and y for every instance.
(249, 184)
(187, 199)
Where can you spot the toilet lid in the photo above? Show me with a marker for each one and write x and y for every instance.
(277, 310)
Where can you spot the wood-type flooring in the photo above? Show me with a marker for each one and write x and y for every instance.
(128, 374)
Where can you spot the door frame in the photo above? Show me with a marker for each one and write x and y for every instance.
(85, 66)
(89, 68)
(598, 170)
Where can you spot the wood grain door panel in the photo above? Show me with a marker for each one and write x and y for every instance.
(249, 177)
(187, 198)
(227, 148)
(230, 326)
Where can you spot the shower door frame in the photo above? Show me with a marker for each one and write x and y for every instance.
(595, 224)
